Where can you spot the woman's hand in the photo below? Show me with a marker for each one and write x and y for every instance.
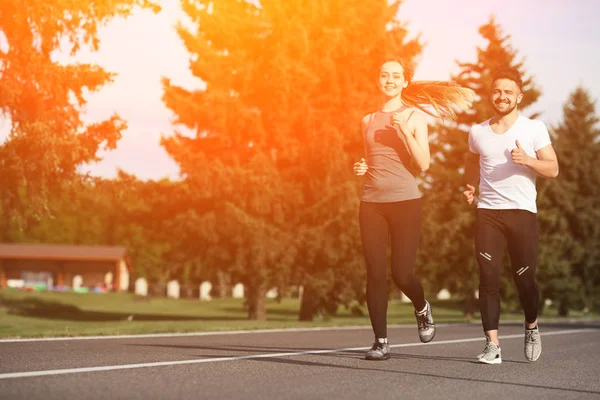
(361, 167)
(399, 120)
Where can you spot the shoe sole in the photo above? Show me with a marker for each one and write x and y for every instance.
(532, 359)
(494, 361)
(430, 339)
(386, 357)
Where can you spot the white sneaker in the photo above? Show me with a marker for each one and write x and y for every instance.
(491, 354)
(533, 344)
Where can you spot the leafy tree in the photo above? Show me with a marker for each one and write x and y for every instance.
(286, 83)
(43, 99)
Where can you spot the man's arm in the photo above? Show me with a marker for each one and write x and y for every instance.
(471, 176)
(545, 165)
(472, 169)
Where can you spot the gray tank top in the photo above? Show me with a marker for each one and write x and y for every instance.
(388, 178)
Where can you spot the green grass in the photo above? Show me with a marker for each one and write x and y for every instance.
(40, 314)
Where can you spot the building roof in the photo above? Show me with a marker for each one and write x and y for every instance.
(19, 251)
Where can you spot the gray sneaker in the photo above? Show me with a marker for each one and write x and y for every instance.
(533, 344)
(379, 351)
(491, 354)
(425, 325)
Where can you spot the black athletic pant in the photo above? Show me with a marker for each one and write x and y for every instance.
(400, 222)
(494, 230)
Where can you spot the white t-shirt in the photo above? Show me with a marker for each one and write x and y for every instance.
(503, 184)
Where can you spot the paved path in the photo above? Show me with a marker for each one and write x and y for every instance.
(303, 364)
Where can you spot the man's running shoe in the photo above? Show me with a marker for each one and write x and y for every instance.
(491, 354)
(533, 344)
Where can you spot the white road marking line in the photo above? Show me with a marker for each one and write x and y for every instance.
(237, 332)
(30, 374)
(210, 333)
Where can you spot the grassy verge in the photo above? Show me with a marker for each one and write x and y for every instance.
(42, 314)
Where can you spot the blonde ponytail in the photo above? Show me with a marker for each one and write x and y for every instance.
(443, 96)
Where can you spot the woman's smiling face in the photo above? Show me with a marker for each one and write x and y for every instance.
(391, 79)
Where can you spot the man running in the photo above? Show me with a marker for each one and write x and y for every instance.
(506, 153)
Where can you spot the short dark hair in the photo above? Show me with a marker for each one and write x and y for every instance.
(508, 73)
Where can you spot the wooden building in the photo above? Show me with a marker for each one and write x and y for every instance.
(90, 266)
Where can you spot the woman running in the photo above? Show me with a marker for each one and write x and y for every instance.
(396, 143)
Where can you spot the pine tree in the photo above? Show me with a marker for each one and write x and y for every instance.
(570, 211)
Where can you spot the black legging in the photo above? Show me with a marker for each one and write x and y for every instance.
(494, 230)
(402, 222)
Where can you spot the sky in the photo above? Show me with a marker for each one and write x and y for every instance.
(557, 38)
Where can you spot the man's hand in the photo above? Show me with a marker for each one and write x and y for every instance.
(519, 156)
(469, 194)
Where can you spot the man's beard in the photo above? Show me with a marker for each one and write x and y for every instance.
(505, 112)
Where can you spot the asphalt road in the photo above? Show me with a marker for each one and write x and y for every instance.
(304, 364)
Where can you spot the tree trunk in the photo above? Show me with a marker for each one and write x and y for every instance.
(542, 305)
(308, 303)
(257, 310)
(3, 280)
(223, 285)
(563, 307)
(469, 305)
(187, 291)
(158, 289)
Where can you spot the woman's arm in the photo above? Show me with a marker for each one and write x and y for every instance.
(416, 137)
